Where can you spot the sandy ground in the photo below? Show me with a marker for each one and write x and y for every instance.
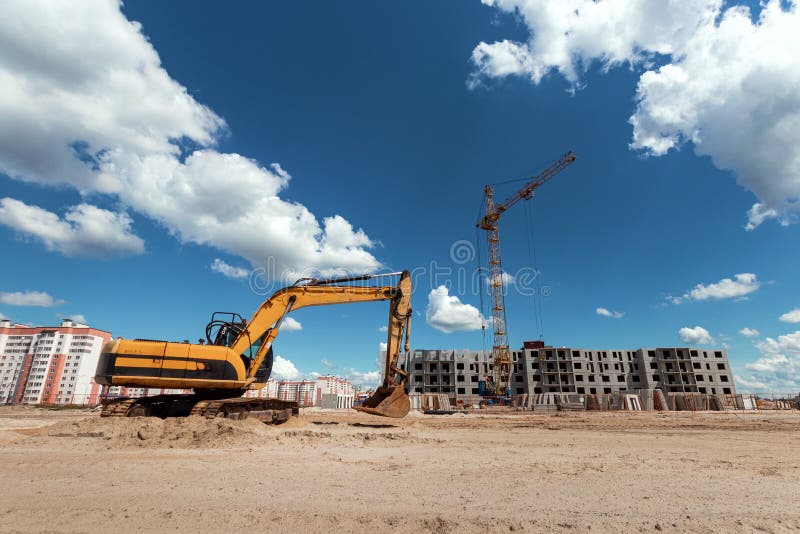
(71, 471)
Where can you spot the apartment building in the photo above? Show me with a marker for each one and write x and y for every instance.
(269, 391)
(303, 392)
(334, 392)
(454, 372)
(540, 369)
(337, 392)
(49, 365)
(537, 368)
(333, 385)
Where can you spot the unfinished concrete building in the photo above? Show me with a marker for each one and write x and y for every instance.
(672, 370)
(541, 369)
(452, 372)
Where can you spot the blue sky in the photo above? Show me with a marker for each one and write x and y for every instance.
(393, 118)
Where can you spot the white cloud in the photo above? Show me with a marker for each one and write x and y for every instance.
(75, 318)
(328, 364)
(85, 230)
(383, 328)
(363, 378)
(768, 363)
(791, 316)
(569, 36)
(713, 76)
(3, 317)
(29, 298)
(759, 212)
(382, 346)
(739, 287)
(785, 343)
(290, 324)
(749, 332)
(608, 313)
(87, 103)
(283, 369)
(750, 384)
(778, 367)
(695, 336)
(228, 270)
(448, 314)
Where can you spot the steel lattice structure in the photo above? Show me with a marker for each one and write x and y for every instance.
(489, 221)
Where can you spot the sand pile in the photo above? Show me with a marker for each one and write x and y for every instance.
(151, 432)
(202, 433)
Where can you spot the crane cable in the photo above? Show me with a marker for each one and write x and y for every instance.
(536, 303)
(480, 284)
(481, 208)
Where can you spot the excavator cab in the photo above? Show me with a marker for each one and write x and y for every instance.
(225, 328)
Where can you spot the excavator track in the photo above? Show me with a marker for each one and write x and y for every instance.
(117, 408)
(271, 411)
(268, 410)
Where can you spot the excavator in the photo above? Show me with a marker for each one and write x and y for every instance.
(237, 357)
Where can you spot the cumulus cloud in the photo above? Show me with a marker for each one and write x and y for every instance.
(284, 369)
(750, 384)
(365, 379)
(791, 316)
(787, 343)
(328, 364)
(226, 269)
(76, 318)
(29, 298)
(749, 332)
(448, 314)
(608, 313)
(695, 336)
(86, 103)
(738, 287)
(85, 230)
(383, 328)
(778, 367)
(713, 75)
(290, 324)
(567, 37)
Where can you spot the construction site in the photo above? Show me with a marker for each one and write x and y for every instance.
(411, 267)
(537, 439)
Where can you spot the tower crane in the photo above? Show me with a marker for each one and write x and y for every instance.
(500, 377)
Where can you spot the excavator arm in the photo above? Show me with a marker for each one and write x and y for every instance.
(390, 398)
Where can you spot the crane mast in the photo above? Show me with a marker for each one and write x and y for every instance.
(501, 374)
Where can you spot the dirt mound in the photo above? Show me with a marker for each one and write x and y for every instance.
(151, 432)
(346, 436)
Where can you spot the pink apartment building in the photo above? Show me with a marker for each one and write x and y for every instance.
(49, 364)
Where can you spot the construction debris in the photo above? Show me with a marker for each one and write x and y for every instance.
(641, 400)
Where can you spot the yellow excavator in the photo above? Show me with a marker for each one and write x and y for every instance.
(237, 357)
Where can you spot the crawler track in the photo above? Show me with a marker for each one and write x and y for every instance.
(267, 410)
(270, 411)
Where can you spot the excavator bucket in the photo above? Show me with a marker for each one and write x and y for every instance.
(387, 401)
